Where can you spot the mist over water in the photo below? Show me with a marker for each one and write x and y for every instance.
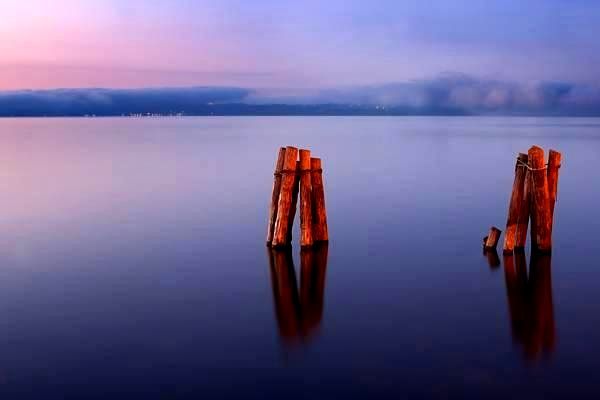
(133, 261)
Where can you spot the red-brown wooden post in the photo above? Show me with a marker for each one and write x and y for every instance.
(320, 231)
(284, 205)
(492, 238)
(275, 195)
(525, 210)
(541, 217)
(516, 204)
(294, 205)
(554, 162)
(306, 232)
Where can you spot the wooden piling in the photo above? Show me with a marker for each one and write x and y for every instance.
(554, 161)
(306, 233)
(294, 205)
(524, 210)
(275, 195)
(541, 220)
(319, 223)
(492, 238)
(284, 205)
(516, 206)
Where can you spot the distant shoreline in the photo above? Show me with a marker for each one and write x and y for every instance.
(296, 115)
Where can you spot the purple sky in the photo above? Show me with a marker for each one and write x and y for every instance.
(300, 44)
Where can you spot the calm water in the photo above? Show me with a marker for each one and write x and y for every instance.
(134, 264)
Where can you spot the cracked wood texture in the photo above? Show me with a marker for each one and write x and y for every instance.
(294, 205)
(516, 206)
(284, 205)
(306, 233)
(541, 217)
(554, 161)
(275, 194)
(320, 231)
(525, 211)
(492, 238)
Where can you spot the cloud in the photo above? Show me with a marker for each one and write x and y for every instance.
(448, 94)
(454, 92)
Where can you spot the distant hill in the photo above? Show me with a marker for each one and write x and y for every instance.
(445, 95)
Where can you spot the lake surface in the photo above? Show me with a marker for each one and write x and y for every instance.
(133, 262)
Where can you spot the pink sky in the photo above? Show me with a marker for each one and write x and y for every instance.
(274, 44)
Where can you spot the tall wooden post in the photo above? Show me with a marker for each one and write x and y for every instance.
(306, 234)
(516, 206)
(554, 161)
(275, 195)
(541, 218)
(294, 205)
(284, 205)
(320, 231)
(525, 210)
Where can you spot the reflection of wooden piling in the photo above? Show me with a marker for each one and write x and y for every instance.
(517, 208)
(540, 278)
(515, 275)
(492, 238)
(306, 231)
(541, 226)
(320, 231)
(554, 161)
(492, 257)
(285, 294)
(284, 205)
(275, 195)
(530, 303)
(312, 284)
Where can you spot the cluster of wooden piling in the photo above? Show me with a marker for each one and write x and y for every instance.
(293, 177)
(533, 198)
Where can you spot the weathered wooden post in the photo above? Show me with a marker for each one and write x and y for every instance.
(306, 232)
(284, 205)
(320, 231)
(492, 238)
(516, 206)
(275, 195)
(541, 219)
(525, 210)
(294, 205)
(554, 161)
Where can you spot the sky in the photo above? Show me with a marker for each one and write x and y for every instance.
(279, 45)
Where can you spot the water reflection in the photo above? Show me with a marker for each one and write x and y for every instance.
(298, 312)
(530, 303)
(492, 257)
